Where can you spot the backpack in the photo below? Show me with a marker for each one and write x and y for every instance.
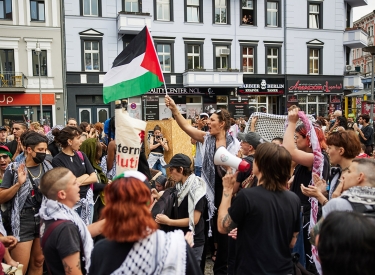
(365, 209)
(167, 205)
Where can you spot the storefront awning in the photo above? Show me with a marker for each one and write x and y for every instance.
(360, 93)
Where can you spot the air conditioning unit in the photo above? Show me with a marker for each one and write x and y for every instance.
(349, 68)
(224, 51)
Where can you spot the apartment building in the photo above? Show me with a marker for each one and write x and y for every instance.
(23, 24)
(247, 56)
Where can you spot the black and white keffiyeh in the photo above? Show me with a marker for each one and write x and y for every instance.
(2, 229)
(87, 207)
(21, 195)
(208, 166)
(195, 188)
(54, 210)
(160, 254)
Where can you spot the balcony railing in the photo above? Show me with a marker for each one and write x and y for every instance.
(12, 80)
(355, 38)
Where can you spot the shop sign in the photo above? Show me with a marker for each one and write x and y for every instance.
(292, 98)
(335, 98)
(26, 99)
(262, 85)
(178, 91)
(152, 108)
(315, 86)
(238, 107)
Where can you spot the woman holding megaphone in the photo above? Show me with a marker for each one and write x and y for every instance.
(217, 136)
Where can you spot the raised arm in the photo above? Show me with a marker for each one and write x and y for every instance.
(182, 122)
(300, 157)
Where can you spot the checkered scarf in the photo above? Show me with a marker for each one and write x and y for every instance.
(160, 254)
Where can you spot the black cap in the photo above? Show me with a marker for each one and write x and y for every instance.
(179, 160)
(2, 128)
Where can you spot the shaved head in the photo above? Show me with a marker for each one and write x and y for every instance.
(54, 181)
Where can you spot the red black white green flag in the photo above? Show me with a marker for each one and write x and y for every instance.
(135, 70)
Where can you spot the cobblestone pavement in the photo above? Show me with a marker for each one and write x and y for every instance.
(209, 267)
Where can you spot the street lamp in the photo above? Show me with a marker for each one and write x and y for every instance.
(37, 52)
(371, 50)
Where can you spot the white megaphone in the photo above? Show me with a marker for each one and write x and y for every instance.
(223, 157)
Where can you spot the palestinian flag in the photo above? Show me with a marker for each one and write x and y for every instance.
(135, 70)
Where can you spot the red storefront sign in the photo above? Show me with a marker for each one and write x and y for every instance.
(26, 99)
(366, 108)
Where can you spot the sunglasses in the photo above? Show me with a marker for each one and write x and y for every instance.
(4, 157)
(218, 111)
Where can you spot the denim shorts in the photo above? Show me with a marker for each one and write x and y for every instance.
(29, 224)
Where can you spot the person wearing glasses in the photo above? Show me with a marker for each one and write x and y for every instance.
(217, 136)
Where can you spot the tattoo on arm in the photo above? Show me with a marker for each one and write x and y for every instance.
(226, 195)
(228, 224)
(67, 268)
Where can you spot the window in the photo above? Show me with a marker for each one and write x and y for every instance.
(43, 63)
(5, 9)
(131, 6)
(193, 57)
(248, 11)
(165, 57)
(315, 19)
(273, 55)
(221, 55)
(221, 12)
(163, 10)
(371, 31)
(90, 8)
(6, 60)
(193, 10)
(92, 52)
(272, 14)
(248, 65)
(314, 61)
(37, 10)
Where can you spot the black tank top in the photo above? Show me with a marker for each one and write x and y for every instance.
(158, 149)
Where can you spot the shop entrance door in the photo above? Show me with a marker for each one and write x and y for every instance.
(92, 114)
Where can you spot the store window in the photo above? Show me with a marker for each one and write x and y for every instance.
(313, 104)
(194, 106)
(37, 10)
(5, 9)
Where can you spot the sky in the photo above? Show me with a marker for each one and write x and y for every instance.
(358, 12)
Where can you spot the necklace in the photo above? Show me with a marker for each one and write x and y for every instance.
(35, 177)
(71, 159)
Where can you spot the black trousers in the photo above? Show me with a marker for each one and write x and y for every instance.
(221, 263)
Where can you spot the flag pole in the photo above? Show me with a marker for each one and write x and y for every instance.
(165, 88)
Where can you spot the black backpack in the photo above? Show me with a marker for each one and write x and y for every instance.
(365, 209)
(167, 205)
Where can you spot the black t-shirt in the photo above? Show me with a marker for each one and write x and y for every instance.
(108, 256)
(266, 222)
(63, 241)
(241, 176)
(77, 166)
(53, 148)
(12, 146)
(36, 171)
(368, 133)
(199, 227)
(302, 175)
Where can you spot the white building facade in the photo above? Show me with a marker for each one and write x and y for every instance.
(252, 55)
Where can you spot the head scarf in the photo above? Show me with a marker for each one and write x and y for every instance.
(5, 150)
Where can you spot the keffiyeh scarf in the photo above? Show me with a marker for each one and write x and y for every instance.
(316, 169)
(87, 207)
(2, 229)
(54, 210)
(360, 194)
(208, 167)
(160, 254)
(21, 195)
(153, 158)
(195, 188)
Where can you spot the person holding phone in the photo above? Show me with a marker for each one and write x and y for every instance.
(157, 146)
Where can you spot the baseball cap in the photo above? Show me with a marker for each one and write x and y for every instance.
(2, 128)
(179, 160)
(252, 138)
(204, 115)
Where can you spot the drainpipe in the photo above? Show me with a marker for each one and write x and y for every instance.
(63, 58)
(285, 45)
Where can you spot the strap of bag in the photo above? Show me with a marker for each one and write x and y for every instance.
(79, 153)
(47, 234)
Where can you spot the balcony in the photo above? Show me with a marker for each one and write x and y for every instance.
(12, 82)
(132, 22)
(355, 38)
(357, 3)
(212, 78)
(353, 82)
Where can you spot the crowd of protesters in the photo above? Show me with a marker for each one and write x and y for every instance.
(65, 210)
